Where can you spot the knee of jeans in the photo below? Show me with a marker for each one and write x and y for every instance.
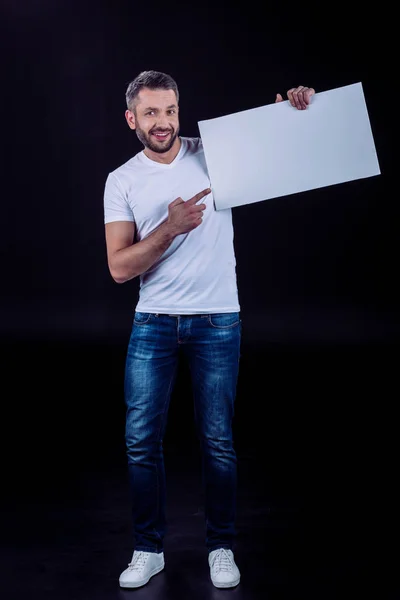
(141, 450)
(218, 447)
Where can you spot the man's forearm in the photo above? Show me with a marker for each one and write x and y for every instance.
(134, 260)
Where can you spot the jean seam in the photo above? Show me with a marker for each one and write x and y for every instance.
(158, 439)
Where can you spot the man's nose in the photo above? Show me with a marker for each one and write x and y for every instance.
(163, 123)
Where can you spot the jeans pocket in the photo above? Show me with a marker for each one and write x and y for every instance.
(224, 320)
(141, 318)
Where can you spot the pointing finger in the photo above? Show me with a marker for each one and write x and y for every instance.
(199, 196)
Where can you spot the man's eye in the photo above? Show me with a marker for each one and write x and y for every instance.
(151, 112)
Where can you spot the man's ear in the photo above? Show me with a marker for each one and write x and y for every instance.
(130, 119)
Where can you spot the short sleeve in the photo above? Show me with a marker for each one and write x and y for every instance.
(116, 207)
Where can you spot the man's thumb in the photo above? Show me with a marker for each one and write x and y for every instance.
(177, 201)
(278, 98)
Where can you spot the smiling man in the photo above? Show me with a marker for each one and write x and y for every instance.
(161, 226)
(145, 115)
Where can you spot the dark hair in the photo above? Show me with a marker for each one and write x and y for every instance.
(154, 80)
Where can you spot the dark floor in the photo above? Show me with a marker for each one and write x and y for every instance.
(316, 438)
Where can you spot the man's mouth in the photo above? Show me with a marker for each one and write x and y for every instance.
(161, 135)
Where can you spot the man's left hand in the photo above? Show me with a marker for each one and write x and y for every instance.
(299, 97)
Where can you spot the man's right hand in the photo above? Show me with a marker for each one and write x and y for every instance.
(185, 216)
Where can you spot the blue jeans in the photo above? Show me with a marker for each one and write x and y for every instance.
(211, 343)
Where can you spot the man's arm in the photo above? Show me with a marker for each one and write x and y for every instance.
(127, 259)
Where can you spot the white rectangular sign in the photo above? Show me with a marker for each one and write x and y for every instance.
(276, 150)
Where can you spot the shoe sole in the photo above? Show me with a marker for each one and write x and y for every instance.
(226, 585)
(143, 581)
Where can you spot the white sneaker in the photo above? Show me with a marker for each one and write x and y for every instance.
(142, 567)
(223, 569)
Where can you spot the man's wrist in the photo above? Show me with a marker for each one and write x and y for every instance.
(169, 231)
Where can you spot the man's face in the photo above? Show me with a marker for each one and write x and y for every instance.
(155, 119)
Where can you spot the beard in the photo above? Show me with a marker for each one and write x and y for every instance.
(154, 145)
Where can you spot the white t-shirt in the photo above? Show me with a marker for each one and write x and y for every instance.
(197, 273)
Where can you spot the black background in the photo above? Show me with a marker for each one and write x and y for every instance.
(325, 259)
(317, 271)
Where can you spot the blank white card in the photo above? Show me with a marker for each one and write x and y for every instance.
(276, 150)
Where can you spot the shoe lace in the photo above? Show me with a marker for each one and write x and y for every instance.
(221, 561)
(138, 561)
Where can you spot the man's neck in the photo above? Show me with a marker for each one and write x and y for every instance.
(165, 158)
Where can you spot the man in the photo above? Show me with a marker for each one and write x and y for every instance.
(161, 225)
